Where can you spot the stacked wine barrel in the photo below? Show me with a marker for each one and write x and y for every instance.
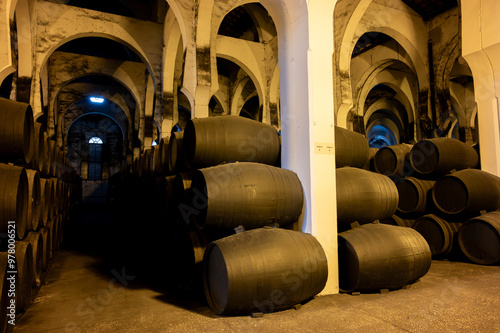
(219, 200)
(372, 256)
(445, 198)
(37, 191)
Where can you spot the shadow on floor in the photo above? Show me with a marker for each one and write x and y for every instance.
(149, 251)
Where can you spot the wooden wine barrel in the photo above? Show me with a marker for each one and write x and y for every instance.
(380, 256)
(467, 191)
(176, 159)
(47, 157)
(156, 160)
(55, 233)
(60, 195)
(38, 155)
(53, 157)
(351, 148)
(242, 272)
(414, 194)
(60, 230)
(398, 221)
(479, 238)
(46, 189)
(55, 196)
(441, 155)
(24, 256)
(438, 233)
(164, 155)
(146, 162)
(248, 194)
(16, 132)
(370, 163)
(6, 314)
(394, 160)
(364, 196)
(34, 194)
(51, 226)
(46, 244)
(36, 241)
(14, 199)
(215, 140)
(166, 190)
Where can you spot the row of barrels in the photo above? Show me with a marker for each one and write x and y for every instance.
(426, 201)
(427, 159)
(208, 142)
(365, 196)
(24, 142)
(210, 203)
(23, 267)
(29, 200)
(478, 237)
(37, 190)
(227, 210)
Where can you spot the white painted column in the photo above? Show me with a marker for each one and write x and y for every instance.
(481, 49)
(6, 67)
(307, 123)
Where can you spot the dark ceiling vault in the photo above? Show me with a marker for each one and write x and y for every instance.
(430, 8)
(425, 8)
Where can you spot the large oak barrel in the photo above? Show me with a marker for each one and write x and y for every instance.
(36, 241)
(55, 196)
(146, 162)
(46, 190)
(214, 140)
(166, 195)
(38, 154)
(396, 220)
(24, 256)
(156, 160)
(467, 191)
(181, 189)
(53, 157)
(51, 226)
(441, 155)
(34, 198)
(414, 194)
(370, 162)
(438, 233)
(6, 313)
(176, 159)
(164, 155)
(351, 148)
(257, 271)
(14, 199)
(393, 160)
(380, 256)
(16, 132)
(47, 156)
(46, 247)
(248, 194)
(364, 196)
(479, 238)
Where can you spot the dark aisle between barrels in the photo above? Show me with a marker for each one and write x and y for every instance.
(114, 275)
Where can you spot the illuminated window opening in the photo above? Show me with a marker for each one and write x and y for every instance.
(96, 140)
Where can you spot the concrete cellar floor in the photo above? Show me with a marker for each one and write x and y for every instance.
(82, 293)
